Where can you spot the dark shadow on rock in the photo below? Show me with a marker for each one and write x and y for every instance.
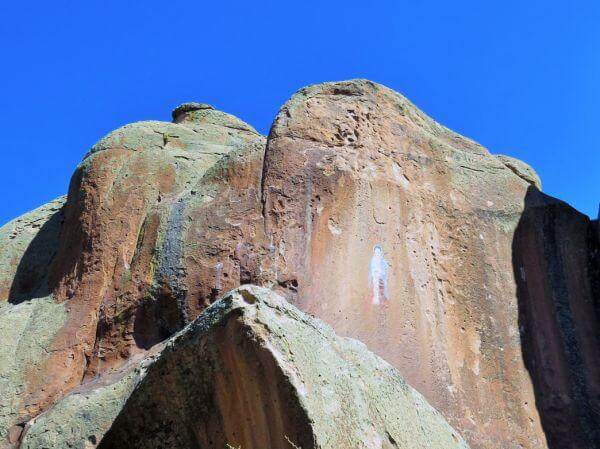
(216, 385)
(556, 263)
(156, 319)
(31, 278)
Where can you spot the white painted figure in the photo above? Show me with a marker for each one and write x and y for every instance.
(378, 276)
(218, 273)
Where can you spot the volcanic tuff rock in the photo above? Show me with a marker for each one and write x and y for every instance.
(253, 372)
(112, 251)
(29, 318)
(413, 239)
(443, 259)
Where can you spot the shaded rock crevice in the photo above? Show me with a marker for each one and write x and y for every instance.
(30, 278)
(556, 266)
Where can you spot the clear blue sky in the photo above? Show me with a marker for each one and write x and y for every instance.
(520, 77)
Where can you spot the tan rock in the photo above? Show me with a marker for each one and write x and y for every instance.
(401, 233)
(117, 247)
(29, 318)
(29, 244)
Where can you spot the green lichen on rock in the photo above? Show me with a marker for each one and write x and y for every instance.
(352, 397)
(202, 113)
(163, 218)
(81, 419)
(29, 318)
(26, 333)
(521, 169)
(28, 244)
(251, 371)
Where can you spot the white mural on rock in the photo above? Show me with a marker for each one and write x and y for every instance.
(378, 276)
(218, 274)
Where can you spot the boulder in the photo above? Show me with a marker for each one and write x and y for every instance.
(556, 263)
(29, 244)
(522, 170)
(113, 262)
(253, 372)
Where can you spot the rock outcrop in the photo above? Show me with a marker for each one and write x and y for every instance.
(29, 318)
(443, 259)
(29, 244)
(109, 260)
(398, 232)
(253, 372)
(405, 235)
(522, 170)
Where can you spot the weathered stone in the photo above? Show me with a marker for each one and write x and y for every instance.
(556, 263)
(521, 169)
(81, 418)
(399, 232)
(184, 108)
(205, 114)
(443, 259)
(253, 372)
(29, 319)
(27, 331)
(29, 244)
(118, 245)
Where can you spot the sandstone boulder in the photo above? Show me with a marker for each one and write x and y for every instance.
(522, 170)
(252, 372)
(29, 318)
(556, 263)
(29, 244)
(398, 232)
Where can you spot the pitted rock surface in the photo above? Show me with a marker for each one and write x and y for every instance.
(409, 237)
(444, 260)
(117, 248)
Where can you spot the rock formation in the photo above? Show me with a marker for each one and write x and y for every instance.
(253, 372)
(407, 236)
(443, 259)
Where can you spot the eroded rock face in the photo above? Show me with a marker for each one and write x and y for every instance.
(398, 232)
(443, 259)
(116, 259)
(29, 318)
(253, 372)
(128, 211)
(401, 233)
(522, 170)
(29, 244)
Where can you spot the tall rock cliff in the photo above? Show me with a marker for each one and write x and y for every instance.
(443, 259)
